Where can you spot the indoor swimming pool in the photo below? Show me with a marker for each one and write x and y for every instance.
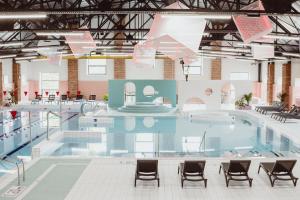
(147, 136)
(137, 136)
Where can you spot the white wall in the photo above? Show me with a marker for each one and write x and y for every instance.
(7, 72)
(233, 65)
(37, 67)
(189, 89)
(134, 71)
(295, 70)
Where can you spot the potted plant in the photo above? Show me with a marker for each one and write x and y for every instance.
(105, 98)
(281, 96)
(240, 104)
(248, 99)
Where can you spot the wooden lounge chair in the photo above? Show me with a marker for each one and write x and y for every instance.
(38, 99)
(64, 98)
(236, 170)
(92, 98)
(146, 170)
(51, 98)
(279, 170)
(192, 170)
(280, 108)
(278, 115)
(79, 98)
(294, 115)
(274, 105)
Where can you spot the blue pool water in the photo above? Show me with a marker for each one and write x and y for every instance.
(176, 136)
(144, 137)
(15, 133)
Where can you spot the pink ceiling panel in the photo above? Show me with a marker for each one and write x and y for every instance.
(170, 47)
(253, 28)
(77, 48)
(55, 59)
(187, 30)
(144, 55)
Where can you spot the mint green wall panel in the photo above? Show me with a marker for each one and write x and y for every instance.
(165, 88)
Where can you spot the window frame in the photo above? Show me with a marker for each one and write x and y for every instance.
(95, 66)
(50, 90)
(239, 73)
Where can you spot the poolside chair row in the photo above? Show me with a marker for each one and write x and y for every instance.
(234, 170)
(280, 112)
(275, 107)
(64, 98)
(292, 113)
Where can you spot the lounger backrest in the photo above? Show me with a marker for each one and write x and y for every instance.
(38, 97)
(239, 166)
(92, 97)
(194, 166)
(284, 166)
(64, 97)
(147, 166)
(293, 109)
(79, 97)
(51, 97)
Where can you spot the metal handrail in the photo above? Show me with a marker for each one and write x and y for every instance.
(48, 113)
(203, 141)
(84, 104)
(15, 161)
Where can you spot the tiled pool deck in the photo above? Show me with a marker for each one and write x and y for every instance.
(88, 178)
(112, 179)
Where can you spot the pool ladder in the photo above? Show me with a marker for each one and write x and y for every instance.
(15, 162)
(57, 115)
(203, 142)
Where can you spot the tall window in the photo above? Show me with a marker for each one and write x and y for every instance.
(194, 68)
(237, 76)
(96, 67)
(49, 82)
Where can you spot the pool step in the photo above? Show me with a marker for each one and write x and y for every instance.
(147, 108)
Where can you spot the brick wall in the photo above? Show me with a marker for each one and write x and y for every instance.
(1, 85)
(216, 64)
(216, 69)
(119, 68)
(286, 81)
(270, 82)
(73, 77)
(17, 81)
(169, 69)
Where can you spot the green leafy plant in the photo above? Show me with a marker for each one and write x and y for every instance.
(248, 98)
(281, 96)
(105, 97)
(240, 103)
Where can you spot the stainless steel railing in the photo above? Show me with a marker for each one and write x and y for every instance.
(15, 162)
(53, 113)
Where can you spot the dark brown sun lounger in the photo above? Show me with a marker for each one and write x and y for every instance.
(146, 170)
(279, 170)
(236, 170)
(192, 170)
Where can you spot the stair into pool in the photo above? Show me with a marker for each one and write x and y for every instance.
(144, 107)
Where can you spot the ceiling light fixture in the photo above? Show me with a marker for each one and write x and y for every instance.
(26, 58)
(59, 33)
(198, 16)
(8, 56)
(291, 54)
(11, 15)
(11, 44)
(82, 42)
(35, 49)
(282, 37)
